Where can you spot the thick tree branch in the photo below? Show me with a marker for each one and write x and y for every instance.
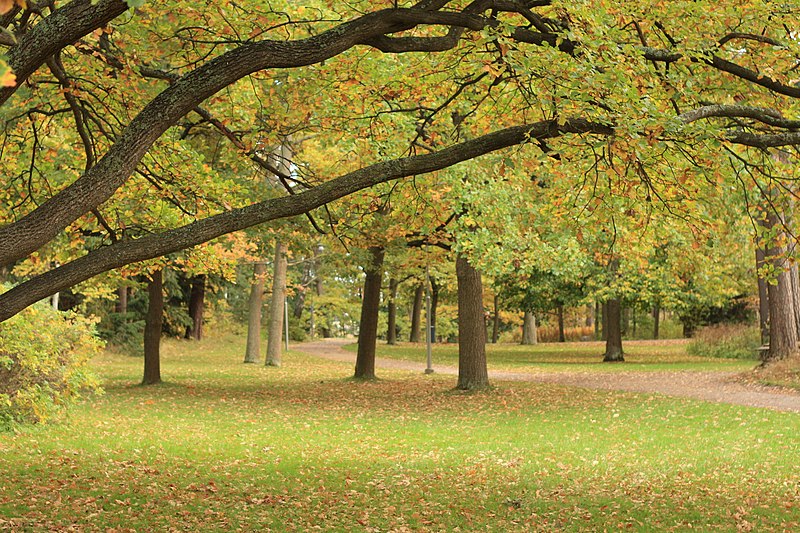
(99, 183)
(126, 252)
(58, 30)
(764, 115)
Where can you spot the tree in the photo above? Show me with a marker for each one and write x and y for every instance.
(196, 305)
(529, 336)
(472, 370)
(276, 306)
(255, 304)
(368, 326)
(591, 45)
(391, 304)
(152, 328)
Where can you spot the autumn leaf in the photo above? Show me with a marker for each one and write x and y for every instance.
(7, 77)
(8, 5)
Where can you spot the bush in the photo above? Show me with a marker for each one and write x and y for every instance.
(43, 364)
(731, 341)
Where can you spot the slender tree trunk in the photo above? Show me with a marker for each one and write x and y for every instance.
(197, 295)
(496, 320)
(604, 320)
(276, 306)
(589, 316)
(435, 288)
(391, 326)
(121, 306)
(152, 329)
(613, 320)
(597, 320)
(795, 296)
(320, 289)
(416, 314)
(299, 304)
(252, 353)
(370, 306)
(529, 328)
(472, 370)
(763, 298)
(561, 335)
(656, 319)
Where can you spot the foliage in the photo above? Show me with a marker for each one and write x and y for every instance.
(44, 357)
(732, 341)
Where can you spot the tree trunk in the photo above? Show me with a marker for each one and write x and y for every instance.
(391, 326)
(152, 329)
(252, 353)
(496, 320)
(795, 296)
(370, 305)
(597, 320)
(435, 288)
(613, 320)
(529, 328)
(604, 321)
(197, 296)
(763, 299)
(121, 306)
(783, 330)
(561, 336)
(416, 314)
(656, 319)
(326, 330)
(276, 306)
(472, 371)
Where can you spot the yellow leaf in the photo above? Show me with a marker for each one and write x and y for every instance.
(7, 77)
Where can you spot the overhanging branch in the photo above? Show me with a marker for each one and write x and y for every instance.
(156, 245)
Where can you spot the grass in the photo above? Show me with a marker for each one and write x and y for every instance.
(224, 446)
(667, 355)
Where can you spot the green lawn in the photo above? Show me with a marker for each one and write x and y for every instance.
(571, 356)
(225, 446)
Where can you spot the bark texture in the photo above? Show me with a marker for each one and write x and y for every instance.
(255, 304)
(370, 305)
(613, 321)
(276, 306)
(529, 336)
(197, 296)
(121, 305)
(472, 370)
(152, 329)
(783, 332)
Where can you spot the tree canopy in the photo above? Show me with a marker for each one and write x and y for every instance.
(111, 108)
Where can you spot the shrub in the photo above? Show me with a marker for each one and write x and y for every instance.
(731, 341)
(43, 364)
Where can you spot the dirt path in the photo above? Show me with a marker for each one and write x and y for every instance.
(710, 386)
